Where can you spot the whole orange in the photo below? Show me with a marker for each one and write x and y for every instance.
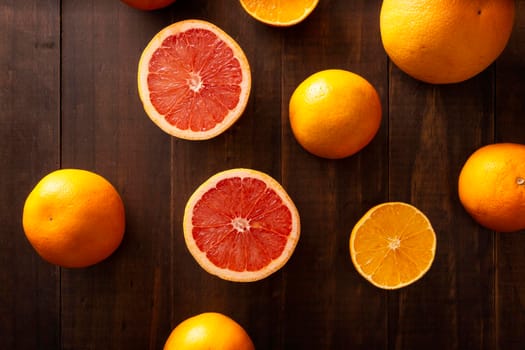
(334, 113)
(209, 331)
(148, 4)
(491, 186)
(445, 41)
(74, 218)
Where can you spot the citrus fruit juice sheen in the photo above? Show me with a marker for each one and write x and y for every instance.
(393, 245)
(194, 80)
(241, 225)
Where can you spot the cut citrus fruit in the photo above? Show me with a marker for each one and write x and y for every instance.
(279, 12)
(241, 225)
(194, 80)
(393, 245)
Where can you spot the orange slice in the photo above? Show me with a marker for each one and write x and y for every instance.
(241, 225)
(194, 80)
(393, 245)
(279, 12)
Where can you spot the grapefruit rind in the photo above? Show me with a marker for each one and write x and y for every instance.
(278, 23)
(144, 93)
(363, 221)
(227, 274)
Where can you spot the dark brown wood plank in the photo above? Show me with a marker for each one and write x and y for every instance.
(69, 99)
(120, 303)
(327, 303)
(433, 129)
(29, 128)
(252, 142)
(510, 127)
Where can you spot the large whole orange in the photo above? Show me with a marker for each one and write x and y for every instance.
(74, 218)
(491, 186)
(445, 41)
(207, 331)
(148, 4)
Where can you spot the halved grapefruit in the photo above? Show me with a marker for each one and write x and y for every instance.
(194, 80)
(241, 225)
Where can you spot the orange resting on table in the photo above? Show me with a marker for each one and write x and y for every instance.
(209, 330)
(491, 186)
(194, 80)
(440, 41)
(74, 218)
(334, 113)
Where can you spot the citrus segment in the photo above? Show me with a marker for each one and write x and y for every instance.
(279, 12)
(74, 218)
(209, 330)
(393, 245)
(491, 186)
(194, 80)
(241, 225)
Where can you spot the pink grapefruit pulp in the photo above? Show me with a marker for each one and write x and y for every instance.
(194, 80)
(241, 225)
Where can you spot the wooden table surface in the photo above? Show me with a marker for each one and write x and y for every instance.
(68, 98)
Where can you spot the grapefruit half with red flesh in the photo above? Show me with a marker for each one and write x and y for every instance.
(241, 225)
(194, 80)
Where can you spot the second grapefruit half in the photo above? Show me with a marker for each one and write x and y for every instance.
(241, 225)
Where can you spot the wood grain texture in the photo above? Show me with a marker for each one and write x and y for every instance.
(69, 99)
(510, 127)
(331, 298)
(121, 302)
(30, 138)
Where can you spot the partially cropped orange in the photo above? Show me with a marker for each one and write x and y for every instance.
(209, 331)
(74, 218)
(393, 245)
(278, 12)
(445, 41)
(148, 4)
(334, 113)
(491, 186)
